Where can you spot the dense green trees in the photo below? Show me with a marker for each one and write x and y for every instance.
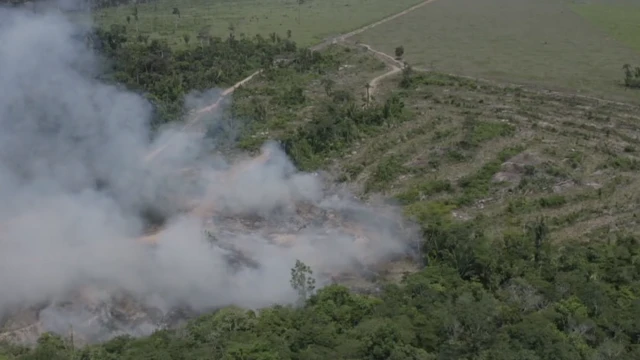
(478, 297)
(165, 75)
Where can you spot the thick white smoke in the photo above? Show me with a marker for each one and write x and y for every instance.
(75, 179)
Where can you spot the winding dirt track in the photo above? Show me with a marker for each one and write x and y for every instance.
(207, 109)
(370, 26)
(397, 66)
(197, 115)
(205, 207)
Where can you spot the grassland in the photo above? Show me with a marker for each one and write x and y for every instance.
(318, 19)
(541, 42)
(496, 155)
(620, 21)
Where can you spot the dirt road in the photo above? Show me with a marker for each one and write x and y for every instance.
(396, 67)
(370, 26)
(394, 64)
(207, 109)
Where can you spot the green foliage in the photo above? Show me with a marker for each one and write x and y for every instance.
(623, 163)
(335, 125)
(477, 132)
(483, 294)
(166, 75)
(631, 76)
(302, 281)
(479, 297)
(476, 186)
(399, 51)
(423, 190)
(552, 201)
(387, 170)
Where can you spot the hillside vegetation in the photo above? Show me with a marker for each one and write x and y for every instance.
(526, 201)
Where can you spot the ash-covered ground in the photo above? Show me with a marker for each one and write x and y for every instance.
(80, 182)
(336, 236)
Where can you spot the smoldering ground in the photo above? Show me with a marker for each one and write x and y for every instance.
(75, 179)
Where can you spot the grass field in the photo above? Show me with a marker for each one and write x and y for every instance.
(318, 19)
(536, 42)
(621, 22)
(498, 156)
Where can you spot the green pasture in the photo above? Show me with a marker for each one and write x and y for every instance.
(536, 42)
(620, 22)
(310, 22)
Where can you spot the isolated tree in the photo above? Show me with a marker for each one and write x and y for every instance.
(302, 281)
(399, 52)
(300, 2)
(176, 12)
(538, 231)
(203, 35)
(368, 88)
(627, 70)
(288, 34)
(407, 76)
(135, 16)
(631, 76)
(186, 38)
(128, 19)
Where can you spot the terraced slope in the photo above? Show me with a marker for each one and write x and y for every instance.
(471, 151)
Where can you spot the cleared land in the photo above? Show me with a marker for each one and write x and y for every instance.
(472, 151)
(318, 19)
(543, 43)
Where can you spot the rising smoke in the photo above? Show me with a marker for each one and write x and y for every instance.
(75, 180)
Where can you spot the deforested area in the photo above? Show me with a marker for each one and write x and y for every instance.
(242, 196)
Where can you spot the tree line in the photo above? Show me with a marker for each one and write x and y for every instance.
(477, 297)
(165, 75)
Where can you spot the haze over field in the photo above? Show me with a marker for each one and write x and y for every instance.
(74, 183)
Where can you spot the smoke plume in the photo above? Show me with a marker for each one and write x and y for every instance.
(76, 187)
